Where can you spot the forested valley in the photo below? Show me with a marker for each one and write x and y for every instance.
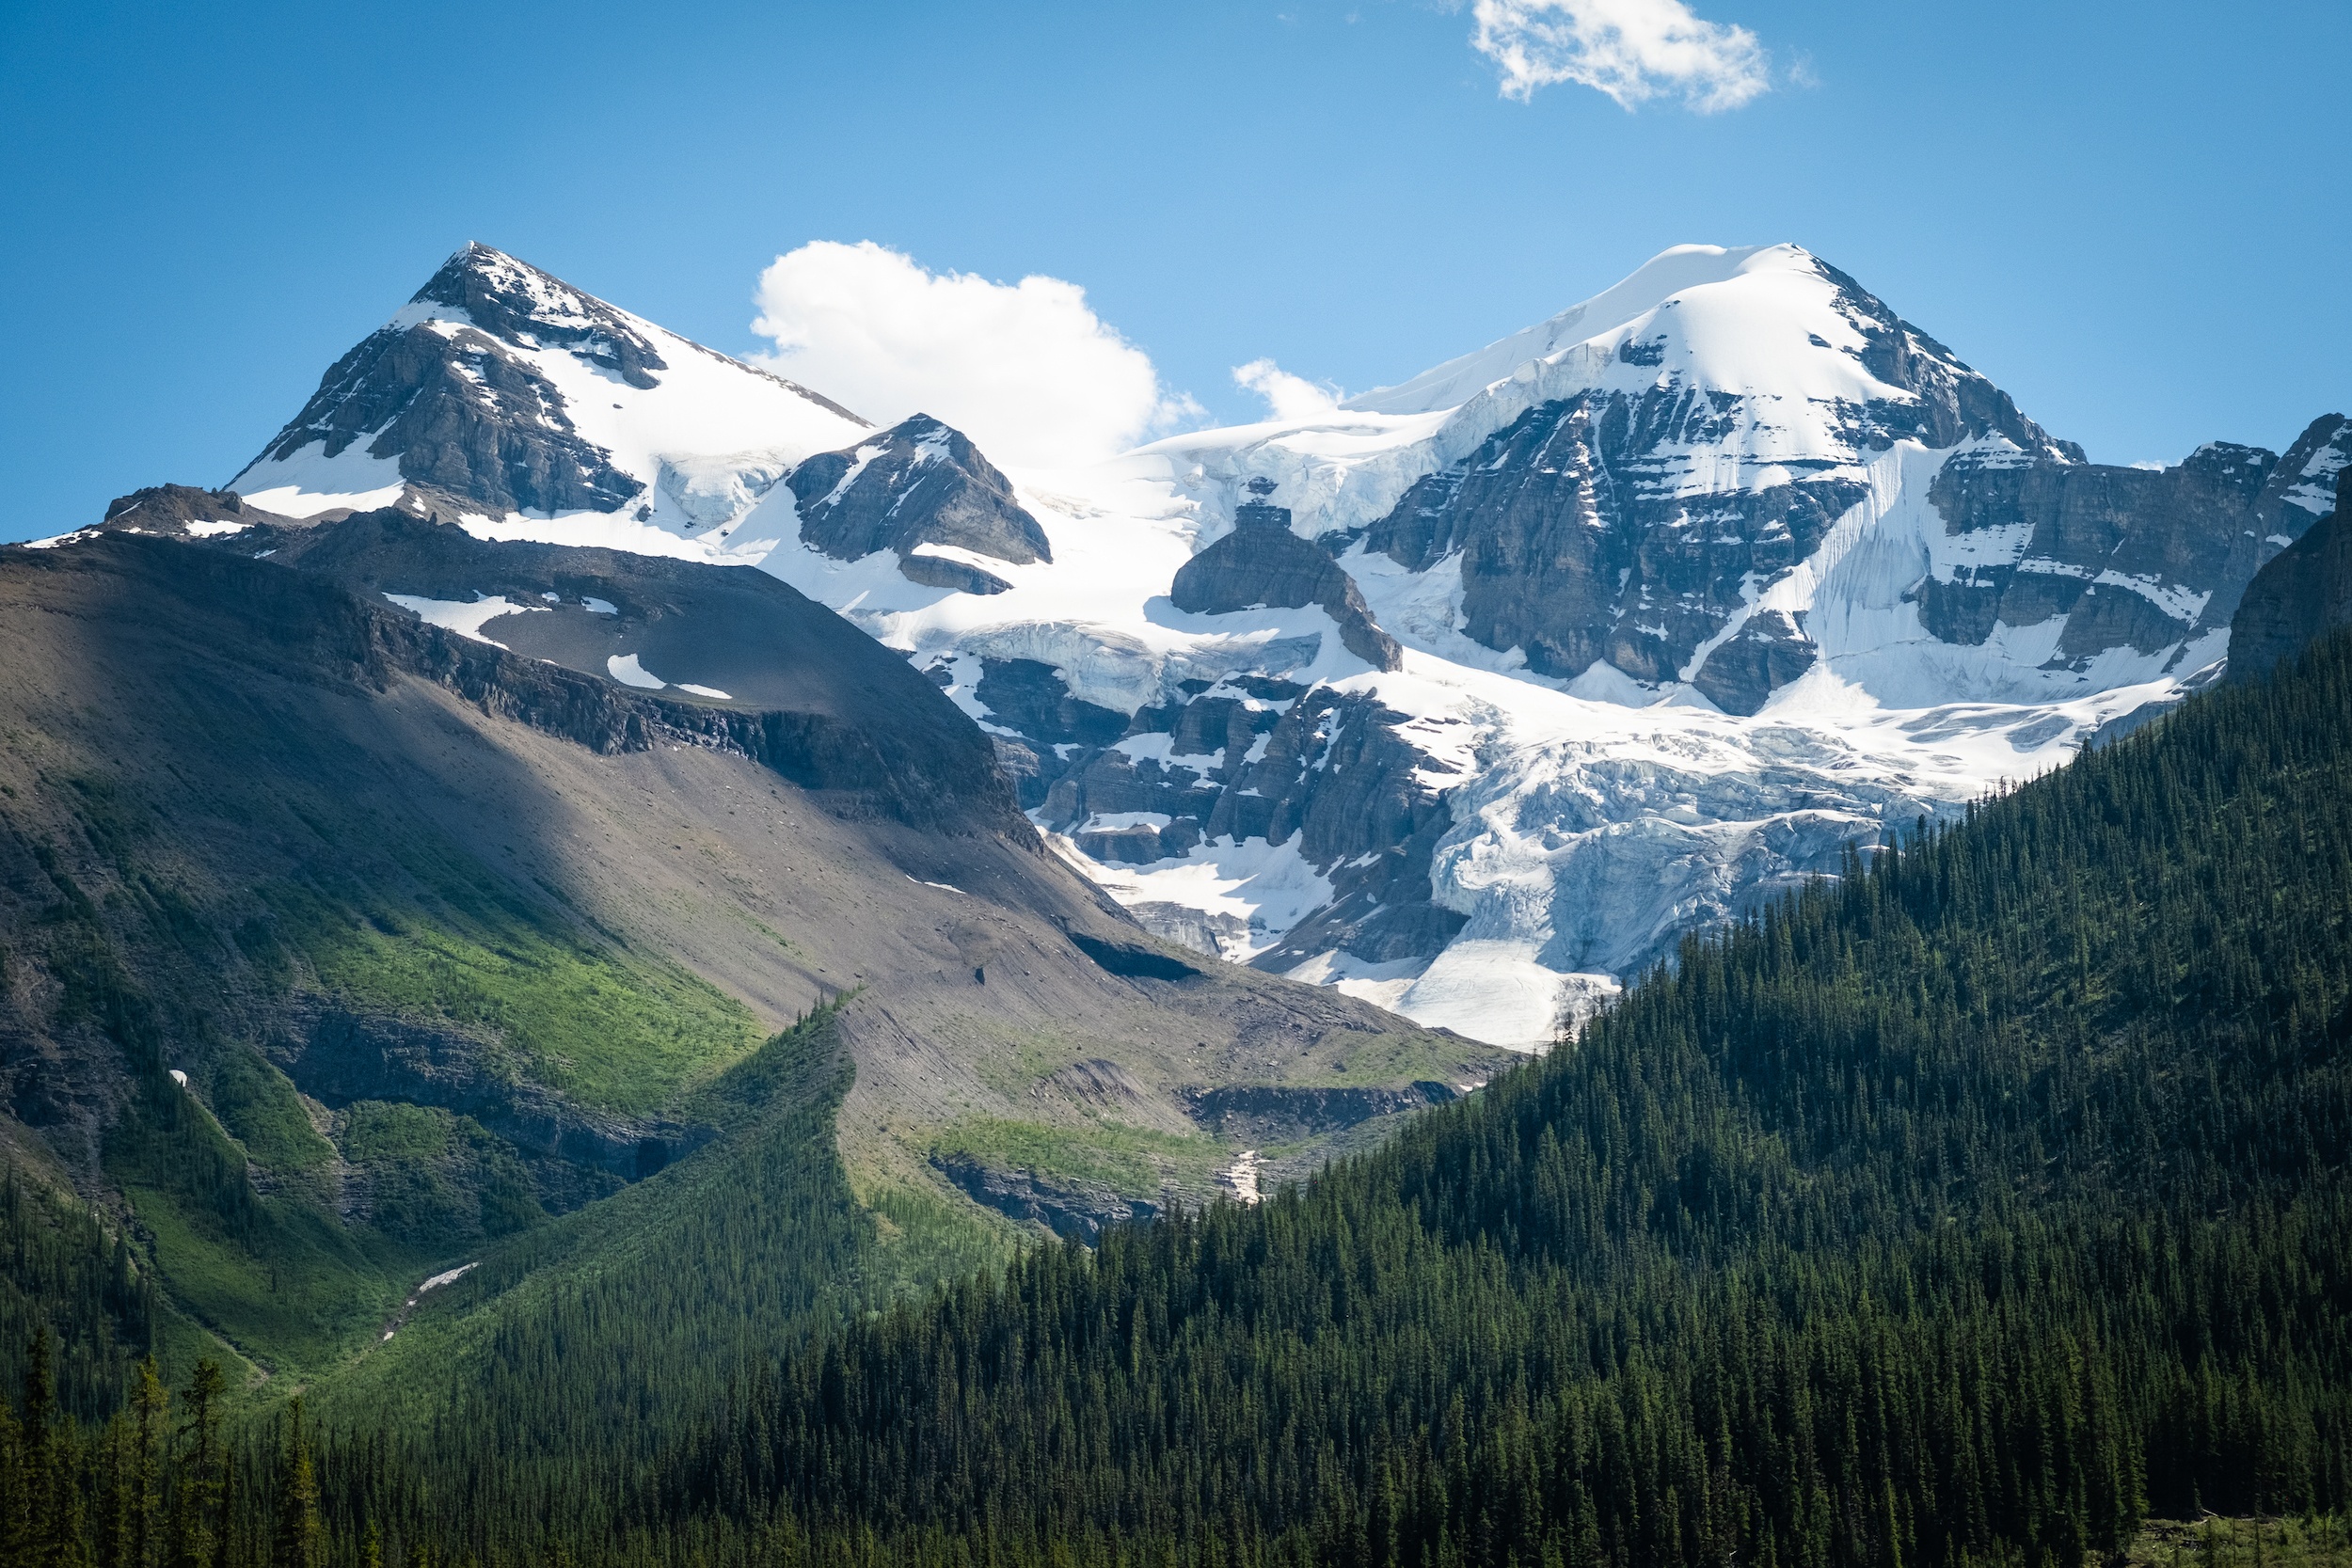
(1973, 1207)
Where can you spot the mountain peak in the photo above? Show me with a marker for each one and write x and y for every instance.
(1774, 321)
(923, 489)
(514, 301)
(501, 390)
(1642, 290)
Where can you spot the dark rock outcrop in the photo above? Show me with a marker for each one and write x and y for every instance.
(1079, 1210)
(1132, 960)
(1571, 552)
(1271, 1114)
(918, 483)
(1369, 808)
(464, 416)
(1954, 401)
(341, 1056)
(2175, 546)
(169, 509)
(2304, 591)
(514, 301)
(1034, 698)
(1263, 564)
(1256, 758)
(1764, 655)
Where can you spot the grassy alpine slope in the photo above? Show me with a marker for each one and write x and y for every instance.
(457, 949)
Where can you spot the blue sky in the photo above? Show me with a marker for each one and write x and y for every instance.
(2132, 216)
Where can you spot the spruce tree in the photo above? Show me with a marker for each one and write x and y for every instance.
(298, 1542)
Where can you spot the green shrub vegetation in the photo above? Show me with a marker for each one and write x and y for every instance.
(608, 1028)
(259, 1107)
(1134, 1160)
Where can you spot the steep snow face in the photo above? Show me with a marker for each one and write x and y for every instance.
(1659, 280)
(502, 392)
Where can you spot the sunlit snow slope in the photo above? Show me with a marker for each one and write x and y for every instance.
(1638, 615)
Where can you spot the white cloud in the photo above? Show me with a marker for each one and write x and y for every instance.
(1026, 370)
(1632, 50)
(1291, 397)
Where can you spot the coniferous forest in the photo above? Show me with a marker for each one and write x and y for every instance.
(1971, 1207)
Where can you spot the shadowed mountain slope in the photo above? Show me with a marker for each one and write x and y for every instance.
(448, 939)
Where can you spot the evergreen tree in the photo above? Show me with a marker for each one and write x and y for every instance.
(199, 1537)
(298, 1542)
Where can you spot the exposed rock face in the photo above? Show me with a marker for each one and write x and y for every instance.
(2304, 591)
(514, 301)
(1262, 562)
(463, 414)
(1265, 1114)
(1569, 555)
(1074, 1209)
(914, 488)
(1571, 552)
(1321, 770)
(2130, 557)
(338, 1056)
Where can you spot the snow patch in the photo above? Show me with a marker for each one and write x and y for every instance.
(625, 669)
(463, 616)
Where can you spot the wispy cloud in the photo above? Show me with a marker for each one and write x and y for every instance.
(1289, 397)
(1632, 50)
(1027, 369)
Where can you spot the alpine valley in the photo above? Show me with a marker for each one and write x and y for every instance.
(1681, 940)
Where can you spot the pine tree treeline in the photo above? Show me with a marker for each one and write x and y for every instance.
(58, 1267)
(160, 1484)
(1963, 1209)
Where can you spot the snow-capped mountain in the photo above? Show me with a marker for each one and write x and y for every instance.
(500, 390)
(1471, 695)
